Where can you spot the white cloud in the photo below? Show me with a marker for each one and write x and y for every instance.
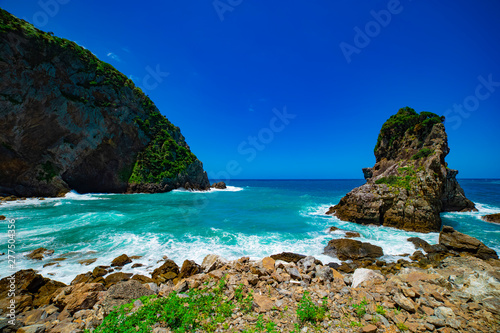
(113, 56)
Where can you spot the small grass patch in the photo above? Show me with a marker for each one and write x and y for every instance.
(402, 326)
(380, 310)
(309, 311)
(424, 152)
(361, 308)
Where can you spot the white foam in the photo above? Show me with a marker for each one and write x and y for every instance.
(73, 195)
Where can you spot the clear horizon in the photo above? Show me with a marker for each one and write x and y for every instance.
(299, 91)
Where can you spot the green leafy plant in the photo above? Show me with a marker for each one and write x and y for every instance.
(309, 311)
(380, 310)
(406, 120)
(424, 152)
(202, 309)
(361, 308)
(402, 326)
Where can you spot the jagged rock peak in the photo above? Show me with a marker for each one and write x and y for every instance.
(410, 183)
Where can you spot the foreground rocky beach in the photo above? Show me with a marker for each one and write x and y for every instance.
(453, 286)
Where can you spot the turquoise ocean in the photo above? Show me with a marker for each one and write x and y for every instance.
(253, 218)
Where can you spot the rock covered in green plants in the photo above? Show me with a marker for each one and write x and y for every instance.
(69, 121)
(410, 183)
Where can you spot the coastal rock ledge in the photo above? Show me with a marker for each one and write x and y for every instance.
(69, 121)
(410, 183)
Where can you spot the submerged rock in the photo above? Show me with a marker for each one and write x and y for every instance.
(40, 253)
(410, 183)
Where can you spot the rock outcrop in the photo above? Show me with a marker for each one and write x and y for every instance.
(410, 183)
(493, 218)
(69, 121)
(219, 185)
(459, 242)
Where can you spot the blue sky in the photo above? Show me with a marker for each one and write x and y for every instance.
(299, 89)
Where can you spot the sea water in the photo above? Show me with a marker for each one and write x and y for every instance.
(253, 218)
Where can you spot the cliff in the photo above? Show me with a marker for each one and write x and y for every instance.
(70, 121)
(410, 183)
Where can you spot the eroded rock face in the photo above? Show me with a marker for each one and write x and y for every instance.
(457, 241)
(410, 184)
(69, 121)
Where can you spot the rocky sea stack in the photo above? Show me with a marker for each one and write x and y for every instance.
(69, 121)
(410, 183)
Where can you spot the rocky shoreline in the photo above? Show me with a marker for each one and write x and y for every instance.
(453, 286)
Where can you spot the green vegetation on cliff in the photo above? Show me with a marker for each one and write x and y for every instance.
(407, 120)
(165, 156)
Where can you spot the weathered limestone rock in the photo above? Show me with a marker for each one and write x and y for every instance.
(361, 275)
(410, 183)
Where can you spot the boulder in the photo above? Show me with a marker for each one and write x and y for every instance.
(288, 256)
(352, 234)
(142, 279)
(78, 297)
(457, 241)
(346, 249)
(114, 278)
(99, 271)
(39, 253)
(422, 244)
(46, 292)
(361, 275)
(219, 185)
(168, 271)
(324, 273)
(269, 263)
(493, 218)
(121, 260)
(212, 262)
(189, 267)
(122, 293)
(82, 278)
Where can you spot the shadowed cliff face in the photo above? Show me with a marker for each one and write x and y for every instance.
(410, 184)
(69, 121)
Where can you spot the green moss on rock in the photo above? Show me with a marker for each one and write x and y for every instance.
(406, 120)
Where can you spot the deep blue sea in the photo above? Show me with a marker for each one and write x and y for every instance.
(254, 218)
